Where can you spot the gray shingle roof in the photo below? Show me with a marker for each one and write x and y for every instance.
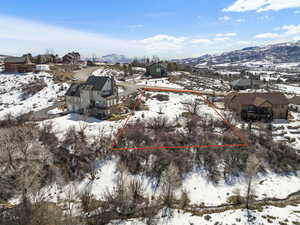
(74, 90)
(15, 60)
(93, 82)
(274, 98)
(244, 82)
(97, 82)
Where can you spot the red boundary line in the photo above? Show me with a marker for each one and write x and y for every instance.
(234, 129)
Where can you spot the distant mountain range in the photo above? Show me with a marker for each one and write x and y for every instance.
(288, 52)
(115, 58)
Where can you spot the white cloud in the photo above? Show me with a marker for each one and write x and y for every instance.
(162, 42)
(297, 12)
(201, 41)
(221, 39)
(288, 33)
(267, 36)
(261, 5)
(224, 18)
(136, 26)
(240, 20)
(291, 29)
(232, 34)
(18, 36)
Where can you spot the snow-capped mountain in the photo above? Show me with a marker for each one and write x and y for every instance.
(115, 58)
(288, 52)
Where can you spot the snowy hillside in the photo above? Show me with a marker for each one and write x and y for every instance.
(22, 93)
(288, 52)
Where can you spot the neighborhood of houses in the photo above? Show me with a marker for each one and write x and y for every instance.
(99, 98)
(249, 97)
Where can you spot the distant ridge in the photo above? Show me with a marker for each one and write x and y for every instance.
(287, 52)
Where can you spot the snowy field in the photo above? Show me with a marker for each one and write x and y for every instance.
(103, 71)
(174, 107)
(199, 190)
(270, 215)
(163, 82)
(92, 126)
(11, 100)
(290, 89)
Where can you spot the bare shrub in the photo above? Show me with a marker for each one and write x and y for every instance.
(161, 97)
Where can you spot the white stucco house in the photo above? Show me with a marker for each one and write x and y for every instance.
(95, 97)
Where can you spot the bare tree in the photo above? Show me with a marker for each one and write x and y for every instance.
(192, 106)
(251, 169)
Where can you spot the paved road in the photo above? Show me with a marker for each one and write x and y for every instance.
(82, 75)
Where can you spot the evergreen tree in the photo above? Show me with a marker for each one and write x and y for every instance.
(130, 71)
(125, 69)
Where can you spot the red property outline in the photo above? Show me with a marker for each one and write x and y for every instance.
(234, 129)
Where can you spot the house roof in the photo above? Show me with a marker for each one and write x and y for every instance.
(15, 60)
(244, 82)
(25, 60)
(74, 90)
(97, 82)
(93, 83)
(259, 101)
(295, 100)
(274, 98)
(157, 63)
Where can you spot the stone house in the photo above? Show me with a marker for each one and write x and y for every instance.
(18, 65)
(258, 106)
(95, 97)
(156, 70)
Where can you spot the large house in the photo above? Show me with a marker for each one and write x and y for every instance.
(95, 97)
(258, 106)
(46, 59)
(18, 65)
(156, 70)
(71, 58)
(243, 84)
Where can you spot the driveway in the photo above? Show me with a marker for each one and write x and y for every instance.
(82, 75)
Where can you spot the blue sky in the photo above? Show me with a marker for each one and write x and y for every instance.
(166, 28)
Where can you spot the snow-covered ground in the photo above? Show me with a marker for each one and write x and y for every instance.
(270, 185)
(93, 127)
(11, 93)
(174, 107)
(162, 82)
(199, 190)
(269, 215)
(103, 71)
(291, 89)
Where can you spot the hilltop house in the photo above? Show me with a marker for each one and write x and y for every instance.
(46, 59)
(243, 84)
(71, 58)
(258, 106)
(96, 96)
(156, 70)
(18, 65)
